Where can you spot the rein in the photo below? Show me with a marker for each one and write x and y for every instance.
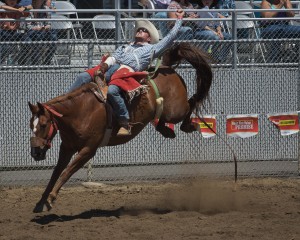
(230, 148)
(50, 109)
(53, 126)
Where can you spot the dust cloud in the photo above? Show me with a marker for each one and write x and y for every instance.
(205, 196)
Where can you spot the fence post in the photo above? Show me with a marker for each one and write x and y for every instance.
(90, 54)
(118, 21)
(90, 171)
(234, 37)
(90, 65)
(298, 103)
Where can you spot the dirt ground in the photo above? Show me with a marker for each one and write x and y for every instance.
(266, 208)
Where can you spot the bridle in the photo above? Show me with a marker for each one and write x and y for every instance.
(38, 141)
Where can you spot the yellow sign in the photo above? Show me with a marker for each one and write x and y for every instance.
(202, 125)
(287, 122)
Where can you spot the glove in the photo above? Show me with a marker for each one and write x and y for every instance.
(103, 67)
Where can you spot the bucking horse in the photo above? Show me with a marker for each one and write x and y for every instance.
(86, 123)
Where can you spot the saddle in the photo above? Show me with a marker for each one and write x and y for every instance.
(134, 84)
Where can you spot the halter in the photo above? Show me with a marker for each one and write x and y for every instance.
(37, 141)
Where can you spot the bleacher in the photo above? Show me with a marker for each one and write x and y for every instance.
(82, 41)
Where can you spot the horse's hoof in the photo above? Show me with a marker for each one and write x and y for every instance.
(166, 132)
(42, 207)
(187, 128)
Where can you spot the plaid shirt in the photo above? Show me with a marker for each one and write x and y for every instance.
(139, 57)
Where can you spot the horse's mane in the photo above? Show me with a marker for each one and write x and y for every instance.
(86, 88)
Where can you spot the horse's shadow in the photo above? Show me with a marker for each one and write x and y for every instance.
(46, 219)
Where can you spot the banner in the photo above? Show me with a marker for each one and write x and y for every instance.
(203, 128)
(242, 125)
(287, 123)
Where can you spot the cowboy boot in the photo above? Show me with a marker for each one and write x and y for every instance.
(125, 129)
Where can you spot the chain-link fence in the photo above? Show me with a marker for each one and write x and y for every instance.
(247, 81)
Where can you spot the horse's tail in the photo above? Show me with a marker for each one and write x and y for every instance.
(200, 61)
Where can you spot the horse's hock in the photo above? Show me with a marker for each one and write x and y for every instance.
(150, 156)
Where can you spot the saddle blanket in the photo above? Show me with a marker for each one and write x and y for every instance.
(129, 82)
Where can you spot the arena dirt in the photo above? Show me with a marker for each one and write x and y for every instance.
(265, 208)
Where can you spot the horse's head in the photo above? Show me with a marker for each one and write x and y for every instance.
(44, 128)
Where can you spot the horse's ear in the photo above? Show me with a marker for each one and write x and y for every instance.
(33, 108)
(41, 108)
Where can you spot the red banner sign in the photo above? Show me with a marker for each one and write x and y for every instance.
(207, 128)
(287, 123)
(242, 125)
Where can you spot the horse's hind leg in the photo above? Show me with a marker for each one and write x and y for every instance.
(81, 158)
(186, 125)
(65, 156)
(164, 130)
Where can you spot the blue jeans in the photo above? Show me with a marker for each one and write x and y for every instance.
(81, 79)
(185, 33)
(221, 54)
(114, 95)
(115, 98)
(50, 35)
(277, 32)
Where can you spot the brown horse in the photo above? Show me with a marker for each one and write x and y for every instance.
(82, 120)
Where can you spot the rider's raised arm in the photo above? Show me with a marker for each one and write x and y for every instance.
(168, 40)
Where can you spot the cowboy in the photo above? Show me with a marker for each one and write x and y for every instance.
(137, 56)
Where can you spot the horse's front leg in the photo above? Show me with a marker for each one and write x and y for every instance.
(83, 156)
(65, 156)
(186, 125)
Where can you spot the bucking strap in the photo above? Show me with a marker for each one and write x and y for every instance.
(159, 100)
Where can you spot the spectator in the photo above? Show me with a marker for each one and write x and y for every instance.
(225, 4)
(41, 31)
(158, 4)
(161, 4)
(277, 29)
(186, 32)
(11, 31)
(212, 30)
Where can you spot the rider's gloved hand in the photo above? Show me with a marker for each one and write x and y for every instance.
(103, 67)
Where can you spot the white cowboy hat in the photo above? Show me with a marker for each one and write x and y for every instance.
(151, 29)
